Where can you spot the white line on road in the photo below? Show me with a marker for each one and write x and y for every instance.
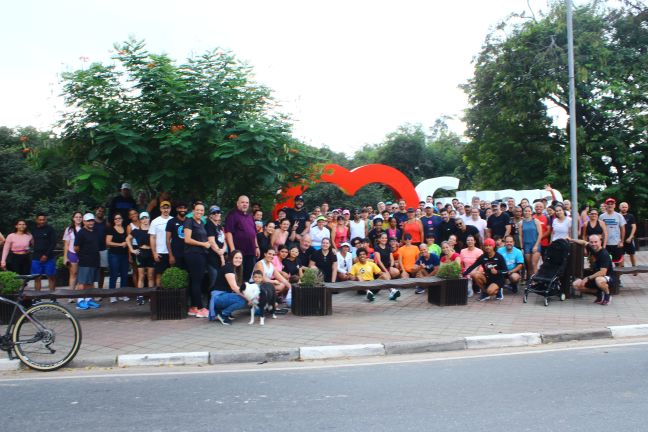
(299, 367)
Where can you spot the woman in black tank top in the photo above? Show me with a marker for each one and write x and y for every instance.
(383, 251)
(595, 226)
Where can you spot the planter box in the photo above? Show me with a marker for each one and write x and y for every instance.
(451, 292)
(6, 309)
(169, 304)
(311, 301)
(62, 277)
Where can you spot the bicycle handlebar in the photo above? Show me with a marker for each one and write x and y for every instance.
(30, 277)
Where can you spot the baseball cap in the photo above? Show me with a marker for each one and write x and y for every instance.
(125, 186)
(346, 211)
(429, 205)
(214, 209)
(88, 217)
(377, 218)
(299, 198)
(610, 201)
(407, 236)
(489, 242)
(346, 244)
(144, 215)
(165, 203)
(320, 218)
(410, 210)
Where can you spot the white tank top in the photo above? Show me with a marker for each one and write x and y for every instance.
(268, 269)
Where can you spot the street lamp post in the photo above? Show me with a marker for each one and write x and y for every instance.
(572, 120)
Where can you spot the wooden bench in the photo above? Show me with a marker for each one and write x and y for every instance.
(318, 301)
(620, 271)
(151, 293)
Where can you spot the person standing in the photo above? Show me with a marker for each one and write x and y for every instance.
(561, 225)
(15, 253)
(86, 246)
(298, 217)
(413, 227)
(158, 234)
(530, 233)
(240, 233)
(139, 244)
(216, 238)
(630, 231)
(615, 224)
(70, 258)
(117, 254)
(100, 227)
(122, 203)
(175, 236)
(196, 247)
(499, 223)
(43, 260)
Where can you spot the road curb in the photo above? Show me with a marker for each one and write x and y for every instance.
(9, 365)
(576, 335)
(417, 347)
(629, 330)
(98, 361)
(503, 340)
(164, 359)
(340, 351)
(249, 356)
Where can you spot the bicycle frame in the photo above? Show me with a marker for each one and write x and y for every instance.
(23, 311)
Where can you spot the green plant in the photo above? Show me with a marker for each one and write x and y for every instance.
(9, 283)
(59, 263)
(311, 278)
(174, 278)
(449, 270)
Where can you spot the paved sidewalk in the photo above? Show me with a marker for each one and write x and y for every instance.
(125, 328)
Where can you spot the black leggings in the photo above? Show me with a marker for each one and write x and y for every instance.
(248, 266)
(20, 264)
(196, 264)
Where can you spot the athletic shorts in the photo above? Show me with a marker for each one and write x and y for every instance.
(528, 248)
(72, 257)
(500, 282)
(103, 258)
(144, 259)
(591, 284)
(87, 275)
(163, 264)
(615, 252)
(47, 268)
(629, 248)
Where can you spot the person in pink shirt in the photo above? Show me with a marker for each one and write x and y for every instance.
(469, 255)
(16, 251)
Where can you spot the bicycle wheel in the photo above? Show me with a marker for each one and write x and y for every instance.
(52, 346)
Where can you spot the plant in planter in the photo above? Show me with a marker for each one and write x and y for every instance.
(62, 273)
(310, 297)
(9, 287)
(450, 270)
(171, 300)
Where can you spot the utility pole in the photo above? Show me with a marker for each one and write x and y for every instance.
(572, 120)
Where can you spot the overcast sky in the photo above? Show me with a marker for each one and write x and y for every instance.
(348, 72)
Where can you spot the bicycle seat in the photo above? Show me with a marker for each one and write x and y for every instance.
(30, 277)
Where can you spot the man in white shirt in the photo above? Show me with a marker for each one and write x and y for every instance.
(476, 221)
(358, 226)
(615, 224)
(157, 235)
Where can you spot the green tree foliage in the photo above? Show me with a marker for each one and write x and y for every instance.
(202, 129)
(521, 79)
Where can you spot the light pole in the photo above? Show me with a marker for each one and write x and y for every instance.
(572, 120)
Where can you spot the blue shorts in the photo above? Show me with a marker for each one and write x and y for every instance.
(528, 248)
(47, 268)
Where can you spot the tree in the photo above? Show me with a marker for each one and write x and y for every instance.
(202, 129)
(521, 74)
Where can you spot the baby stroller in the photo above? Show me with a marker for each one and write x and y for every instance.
(547, 281)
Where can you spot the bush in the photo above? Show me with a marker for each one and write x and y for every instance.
(311, 278)
(59, 262)
(9, 283)
(449, 270)
(174, 278)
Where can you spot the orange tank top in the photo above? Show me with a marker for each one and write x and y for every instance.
(414, 230)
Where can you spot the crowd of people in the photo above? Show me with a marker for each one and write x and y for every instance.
(498, 245)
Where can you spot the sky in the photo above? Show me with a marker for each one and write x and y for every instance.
(347, 72)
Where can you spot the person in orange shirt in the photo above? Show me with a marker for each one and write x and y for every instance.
(407, 256)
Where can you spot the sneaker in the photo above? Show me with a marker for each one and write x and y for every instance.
(371, 296)
(93, 304)
(124, 299)
(98, 299)
(470, 292)
(394, 294)
(71, 300)
(484, 297)
(82, 305)
(192, 311)
(419, 290)
(202, 313)
(224, 320)
(607, 299)
(500, 294)
(140, 300)
(113, 299)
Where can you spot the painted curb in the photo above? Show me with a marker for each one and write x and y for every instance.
(629, 330)
(576, 335)
(99, 361)
(164, 359)
(503, 340)
(340, 351)
(248, 356)
(415, 347)
(9, 365)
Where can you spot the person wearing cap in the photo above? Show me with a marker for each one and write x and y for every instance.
(381, 207)
(298, 217)
(429, 220)
(615, 224)
(154, 207)
(366, 270)
(346, 213)
(216, 238)
(175, 236)
(158, 234)
(344, 261)
(401, 214)
(413, 227)
(407, 256)
(86, 246)
(197, 246)
(139, 245)
(495, 270)
(122, 203)
(319, 232)
(240, 233)
(357, 226)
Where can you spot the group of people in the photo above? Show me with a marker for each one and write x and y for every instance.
(497, 245)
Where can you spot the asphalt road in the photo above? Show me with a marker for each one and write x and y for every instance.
(593, 389)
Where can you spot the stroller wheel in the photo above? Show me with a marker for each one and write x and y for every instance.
(546, 301)
(525, 298)
(562, 297)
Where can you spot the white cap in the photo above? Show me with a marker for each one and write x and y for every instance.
(88, 217)
(144, 214)
(126, 186)
(429, 205)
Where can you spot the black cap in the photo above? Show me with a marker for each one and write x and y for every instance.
(299, 198)
(407, 236)
(410, 210)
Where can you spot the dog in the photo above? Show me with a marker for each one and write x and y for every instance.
(262, 297)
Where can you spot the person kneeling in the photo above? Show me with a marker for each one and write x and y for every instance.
(598, 283)
(366, 270)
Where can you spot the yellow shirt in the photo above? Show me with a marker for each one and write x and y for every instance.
(366, 271)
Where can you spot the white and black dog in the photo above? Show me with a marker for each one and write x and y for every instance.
(262, 297)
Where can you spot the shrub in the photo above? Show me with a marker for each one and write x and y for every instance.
(449, 270)
(9, 284)
(174, 278)
(59, 263)
(312, 277)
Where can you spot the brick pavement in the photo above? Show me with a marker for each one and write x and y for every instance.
(125, 328)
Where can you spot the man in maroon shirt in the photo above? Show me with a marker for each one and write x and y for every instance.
(240, 233)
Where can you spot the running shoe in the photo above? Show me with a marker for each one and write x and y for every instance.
(202, 313)
(140, 300)
(420, 290)
(500, 294)
(394, 294)
(82, 305)
(192, 311)
(93, 304)
(113, 299)
(606, 300)
(371, 296)
(224, 319)
(484, 297)
(125, 299)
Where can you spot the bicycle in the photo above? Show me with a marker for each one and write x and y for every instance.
(45, 336)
